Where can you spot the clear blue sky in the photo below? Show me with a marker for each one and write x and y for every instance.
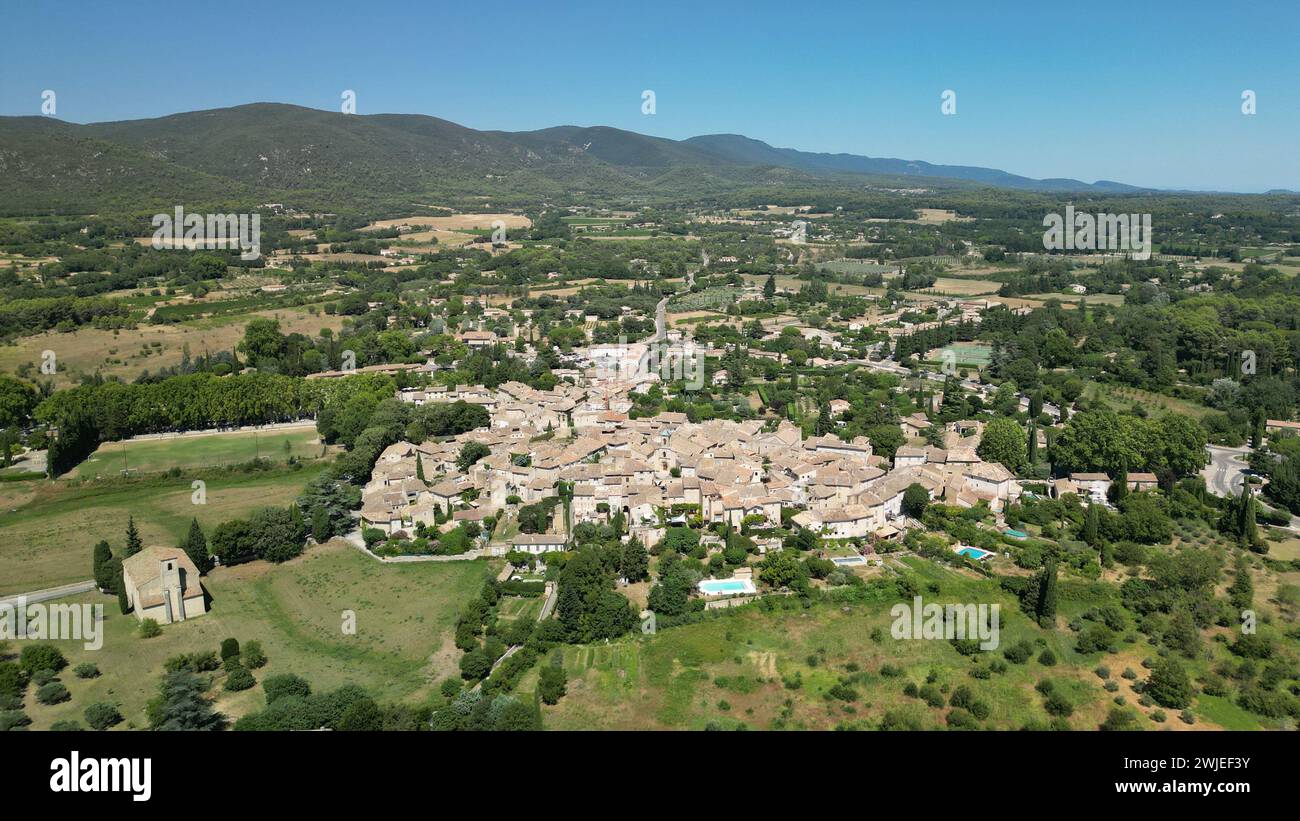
(1147, 93)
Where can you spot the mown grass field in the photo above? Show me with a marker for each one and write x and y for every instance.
(737, 669)
(402, 648)
(193, 452)
(50, 527)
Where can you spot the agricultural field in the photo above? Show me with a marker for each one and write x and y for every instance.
(196, 451)
(50, 527)
(405, 616)
(453, 222)
(962, 287)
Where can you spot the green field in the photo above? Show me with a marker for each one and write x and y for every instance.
(192, 452)
(405, 615)
(50, 528)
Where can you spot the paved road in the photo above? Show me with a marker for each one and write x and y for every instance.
(1225, 473)
(661, 330)
(51, 593)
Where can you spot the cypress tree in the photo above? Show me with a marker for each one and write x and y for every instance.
(824, 423)
(1248, 529)
(1091, 525)
(133, 543)
(1047, 595)
(120, 583)
(102, 566)
(1032, 446)
(1119, 486)
(196, 547)
(1242, 592)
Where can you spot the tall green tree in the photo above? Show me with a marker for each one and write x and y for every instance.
(1168, 685)
(102, 566)
(1091, 532)
(1046, 610)
(133, 543)
(1241, 594)
(196, 547)
(1003, 441)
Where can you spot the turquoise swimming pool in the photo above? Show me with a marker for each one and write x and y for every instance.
(974, 553)
(725, 587)
(1016, 534)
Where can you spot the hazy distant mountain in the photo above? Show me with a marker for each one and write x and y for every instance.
(736, 147)
(271, 149)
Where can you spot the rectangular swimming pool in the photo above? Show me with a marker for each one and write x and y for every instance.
(974, 553)
(726, 587)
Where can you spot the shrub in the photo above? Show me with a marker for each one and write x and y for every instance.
(149, 628)
(285, 684)
(844, 692)
(66, 726)
(239, 679)
(41, 657)
(86, 670)
(1047, 658)
(229, 647)
(10, 719)
(1057, 705)
(252, 655)
(1119, 719)
(53, 693)
(102, 715)
(931, 695)
(959, 719)
(1019, 653)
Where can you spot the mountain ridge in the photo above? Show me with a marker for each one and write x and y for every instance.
(265, 149)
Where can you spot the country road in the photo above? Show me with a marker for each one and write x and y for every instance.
(661, 331)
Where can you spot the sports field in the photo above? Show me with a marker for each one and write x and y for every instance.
(967, 353)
